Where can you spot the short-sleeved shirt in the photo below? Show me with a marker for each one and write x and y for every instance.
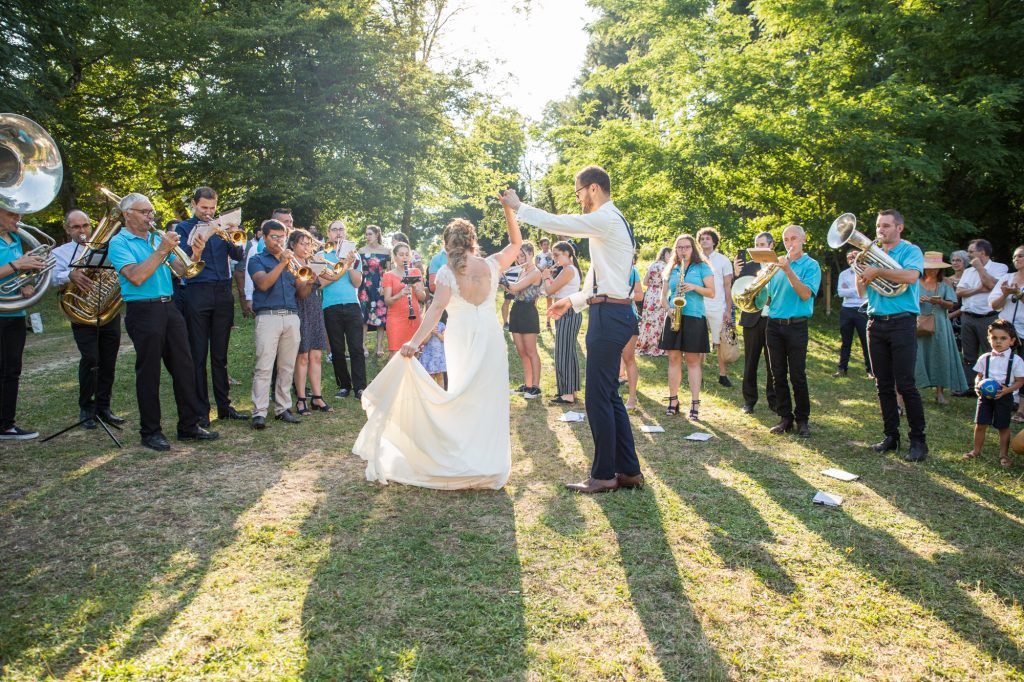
(126, 248)
(341, 291)
(440, 259)
(10, 252)
(785, 303)
(997, 366)
(282, 294)
(722, 268)
(1012, 310)
(978, 303)
(909, 257)
(695, 274)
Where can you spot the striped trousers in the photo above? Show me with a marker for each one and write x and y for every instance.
(567, 364)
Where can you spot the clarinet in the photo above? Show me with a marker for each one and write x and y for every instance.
(412, 311)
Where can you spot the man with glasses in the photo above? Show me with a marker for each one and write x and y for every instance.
(144, 263)
(97, 345)
(976, 314)
(343, 317)
(607, 293)
(210, 307)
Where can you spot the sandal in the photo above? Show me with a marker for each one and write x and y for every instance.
(1017, 418)
(301, 407)
(324, 407)
(1004, 461)
(971, 455)
(672, 409)
(694, 404)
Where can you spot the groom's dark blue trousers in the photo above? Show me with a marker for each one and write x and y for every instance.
(609, 329)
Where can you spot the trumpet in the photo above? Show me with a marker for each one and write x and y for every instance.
(844, 231)
(302, 273)
(235, 237)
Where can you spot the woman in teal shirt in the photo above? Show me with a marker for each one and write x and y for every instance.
(691, 339)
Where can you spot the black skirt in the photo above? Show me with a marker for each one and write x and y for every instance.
(692, 336)
(523, 319)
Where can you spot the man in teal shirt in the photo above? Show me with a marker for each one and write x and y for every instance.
(791, 291)
(342, 317)
(892, 335)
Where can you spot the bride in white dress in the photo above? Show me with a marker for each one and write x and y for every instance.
(420, 434)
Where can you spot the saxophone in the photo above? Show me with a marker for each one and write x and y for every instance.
(103, 302)
(679, 301)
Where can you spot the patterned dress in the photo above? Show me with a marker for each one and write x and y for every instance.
(312, 332)
(432, 357)
(653, 318)
(371, 295)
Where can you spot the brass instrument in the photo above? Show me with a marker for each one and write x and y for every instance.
(234, 237)
(192, 268)
(844, 231)
(31, 173)
(302, 273)
(103, 301)
(745, 289)
(679, 301)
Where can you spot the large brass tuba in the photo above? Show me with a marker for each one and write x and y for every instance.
(103, 302)
(844, 231)
(31, 173)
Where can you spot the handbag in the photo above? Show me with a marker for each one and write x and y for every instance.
(926, 324)
(729, 345)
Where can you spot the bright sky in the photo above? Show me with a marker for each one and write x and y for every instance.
(534, 56)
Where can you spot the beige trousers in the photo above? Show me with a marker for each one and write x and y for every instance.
(277, 336)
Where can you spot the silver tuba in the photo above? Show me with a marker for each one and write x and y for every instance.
(844, 231)
(31, 173)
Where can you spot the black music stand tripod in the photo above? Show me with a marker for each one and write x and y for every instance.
(95, 371)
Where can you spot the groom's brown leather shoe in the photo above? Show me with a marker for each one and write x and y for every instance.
(627, 481)
(594, 485)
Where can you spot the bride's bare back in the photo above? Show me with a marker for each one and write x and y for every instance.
(475, 281)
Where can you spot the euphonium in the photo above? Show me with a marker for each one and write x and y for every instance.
(745, 289)
(844, 231)
(103, 302)
(31, 173)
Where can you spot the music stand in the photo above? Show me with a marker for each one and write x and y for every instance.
(93, 259)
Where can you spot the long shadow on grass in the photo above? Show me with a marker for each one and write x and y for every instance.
(931, 585)
(656, 590)
(142, 525)
(418, 583)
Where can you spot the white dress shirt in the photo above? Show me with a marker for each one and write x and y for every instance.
(722, 267)
(978, 303)
(847, 289)
(64, 255)
(1011, 310)
(997, 366)
(611, 249)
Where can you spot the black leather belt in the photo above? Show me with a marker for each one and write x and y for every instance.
(787, 320)
(158, 299)
(277, 311)
(894, 316)
(978, 315)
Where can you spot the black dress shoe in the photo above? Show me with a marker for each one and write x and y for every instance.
(785, 424)
(803, 430)
(358, 394)
(887, 444)
(748, 408)
(109, 417)
(204, 422)
(288, 418)
(342, 393)
(724, 381)
(87, 419)
(199, 434)
(156, 441)
(231, 413)
(259, 423)
(917, 452)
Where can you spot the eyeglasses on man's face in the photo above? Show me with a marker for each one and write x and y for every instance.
(148, 212)
(577, 192)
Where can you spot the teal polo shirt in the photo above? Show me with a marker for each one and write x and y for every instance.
(909, 257)
(342, 291)
(784, 300)
(9, 252)
(126, 248)
(439, 260)
(695, 274)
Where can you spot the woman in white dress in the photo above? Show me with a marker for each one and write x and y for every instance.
(416, 432)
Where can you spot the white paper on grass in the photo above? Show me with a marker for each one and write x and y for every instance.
(699, 435)
(828, 499)
(571, 416)
(840, 474)
(651, 428)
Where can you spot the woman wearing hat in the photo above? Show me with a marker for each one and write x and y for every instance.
(1006, 298)
(938, 361)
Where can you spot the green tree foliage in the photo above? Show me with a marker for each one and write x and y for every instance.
(750, 115)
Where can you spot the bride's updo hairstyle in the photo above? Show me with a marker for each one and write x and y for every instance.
(459, 242)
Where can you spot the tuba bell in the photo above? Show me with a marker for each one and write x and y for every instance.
(31, 173)
(844, 231)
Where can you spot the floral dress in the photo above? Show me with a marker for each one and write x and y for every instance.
(371, 295)
(653, 318)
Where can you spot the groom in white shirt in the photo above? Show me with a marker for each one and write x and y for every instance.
(606, 291)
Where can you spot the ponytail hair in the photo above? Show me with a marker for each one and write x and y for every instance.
(459, 242)
(566, 247)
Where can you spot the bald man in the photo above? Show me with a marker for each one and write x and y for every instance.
(791, 293)
(98, 346)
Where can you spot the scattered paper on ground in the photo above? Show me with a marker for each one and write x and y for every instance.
(840, 474)
(571, 416)
(828, 499)
(699, 435)
(651, 428)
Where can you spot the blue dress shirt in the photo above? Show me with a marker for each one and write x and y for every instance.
(281, 295)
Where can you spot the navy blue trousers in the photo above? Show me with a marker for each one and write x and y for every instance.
(610, 328)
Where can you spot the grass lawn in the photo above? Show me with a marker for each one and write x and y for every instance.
(269, 557)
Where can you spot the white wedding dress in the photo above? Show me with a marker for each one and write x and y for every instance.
(419, 434)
